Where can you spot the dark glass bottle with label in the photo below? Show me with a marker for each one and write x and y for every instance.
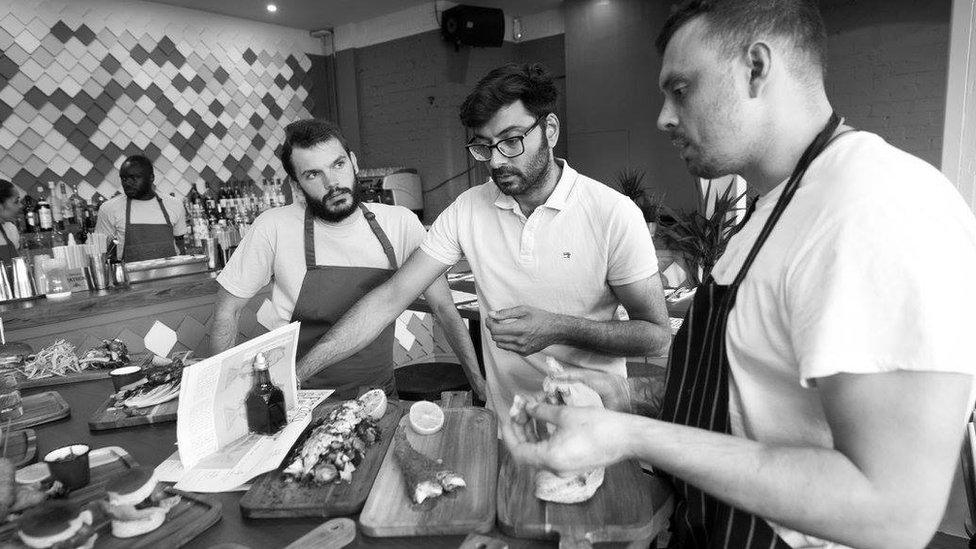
(265, 402)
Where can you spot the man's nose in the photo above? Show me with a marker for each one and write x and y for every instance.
(497, 159)
(667, 120)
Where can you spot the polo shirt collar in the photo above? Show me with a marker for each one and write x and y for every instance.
(559, 198)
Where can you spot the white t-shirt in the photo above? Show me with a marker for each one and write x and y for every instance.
(563, 259)
(111, 216)
(11, 230)
(868, 270)
(274, 248)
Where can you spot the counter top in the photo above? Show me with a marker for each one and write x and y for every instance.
(33, 313)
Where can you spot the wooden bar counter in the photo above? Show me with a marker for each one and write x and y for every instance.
(184, 303)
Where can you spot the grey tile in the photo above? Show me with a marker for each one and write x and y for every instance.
(110, 63)
(31, 138)
(107, 37)
(61, 31)
(127, 40)
(17, 54)
(197, 84)
(167, 45)
(64, 126)
(249, 56)
(264, 58)
(7, 67)
(139, 54)
(35, 98)
(85, 34)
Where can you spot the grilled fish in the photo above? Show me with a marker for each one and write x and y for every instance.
(424, 477)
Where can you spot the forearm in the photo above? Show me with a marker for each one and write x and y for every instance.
(617, 337)
(817, 491)
(223, 332)
(360, 325)
(459, 339)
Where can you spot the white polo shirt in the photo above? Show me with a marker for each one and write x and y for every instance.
(111, 216)
(563, 258)
(274, 249)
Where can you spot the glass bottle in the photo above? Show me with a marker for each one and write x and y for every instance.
(265, 402)
(45, 215)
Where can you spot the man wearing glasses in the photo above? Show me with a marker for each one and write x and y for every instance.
(553, 253)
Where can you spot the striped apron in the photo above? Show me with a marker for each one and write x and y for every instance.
(697, 392)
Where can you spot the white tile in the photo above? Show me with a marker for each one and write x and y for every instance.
(130, 66)
(69, 154)
(56, 140)
(57, 71)
(85, 190)
(10, 96)
(7, 138)
(11, 24)
(75, 46)
(97, 50)
(129, 128)
(92, 87)
(185, 129)
(211, 141)
(21, 83)
(209, 119)
(88, 61)
(187, 71)
(107, 188)
(44, 151)
(197, 163)
(123, 78)
(145, 104)
(140, 140)
(58, 165)
(170, 152)
(38, 28)
(46, 84)
(15, 125)
(142, 78)
(223, 173)
(70, 86)
(79, 73)
(99, 139)
(82, 165)
(183, 106)
(137, 116)
(101, 77)
(32, 69)
(168, 70)
(41, 125)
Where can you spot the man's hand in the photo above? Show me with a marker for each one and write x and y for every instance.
(524, 330)
(613, 389)
(585, 437)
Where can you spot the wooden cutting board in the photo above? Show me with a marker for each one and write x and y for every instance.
(41, 408)
(106, 417)
(629, 506)
(468, 444)
(271, 497)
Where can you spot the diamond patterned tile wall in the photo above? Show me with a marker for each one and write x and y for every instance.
(79, 92)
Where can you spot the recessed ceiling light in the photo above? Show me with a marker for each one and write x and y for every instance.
(272, 8)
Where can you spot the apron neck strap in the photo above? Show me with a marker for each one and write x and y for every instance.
(809, 155)
(373, 225)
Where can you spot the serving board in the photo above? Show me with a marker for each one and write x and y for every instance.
(271, 497)
(194, 514)
(41, 408)
(467, 444)
(106, 463)
(106, 417)
(22, 447)
(629, 506)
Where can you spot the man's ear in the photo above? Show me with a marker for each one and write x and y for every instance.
(355, 164)
(760, 59)
(551, 127)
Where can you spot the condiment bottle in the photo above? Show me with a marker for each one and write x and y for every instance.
(265, 402)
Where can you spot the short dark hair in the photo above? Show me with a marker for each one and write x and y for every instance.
(736, 23)
(141, 161)
(305, 134)
(7, 190)
(530, 82)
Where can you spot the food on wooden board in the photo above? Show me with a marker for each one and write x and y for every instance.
(569, 487)
(424, 477)
(112, 353)
(57, 525)
(337, 443)
(58, 359)
(17, 497)
(162, 384)
(137, 503)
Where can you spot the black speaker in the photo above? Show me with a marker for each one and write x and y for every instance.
(473, 26)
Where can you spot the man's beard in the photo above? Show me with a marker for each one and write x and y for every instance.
(333, 215)
(141, 193)
(523, 183)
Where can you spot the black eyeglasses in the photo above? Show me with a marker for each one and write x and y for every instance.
(510, 147)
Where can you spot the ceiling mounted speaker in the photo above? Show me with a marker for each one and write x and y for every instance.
(473, 26)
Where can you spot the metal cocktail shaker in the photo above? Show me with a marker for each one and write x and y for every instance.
(21, 279)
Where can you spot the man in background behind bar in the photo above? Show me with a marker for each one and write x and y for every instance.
(323, 254)
(818, 389)
(553, 252)
(146, 225)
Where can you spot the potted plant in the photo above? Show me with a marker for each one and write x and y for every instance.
(650, 204)
(701, 239)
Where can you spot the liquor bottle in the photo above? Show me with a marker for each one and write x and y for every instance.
(57, 234)
(29, 207)
(54, 201)
(67, 212)
(279, 193)
(78, 205)
(209, 201)
(45, 215)
(265, 402)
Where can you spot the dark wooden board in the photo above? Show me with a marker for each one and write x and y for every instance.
(194, 514)
(191, 516)
(41, 408)
(629, 506)
(468, 444)
(106, 463)
(271, 497)
(22, 447)
(105, 417)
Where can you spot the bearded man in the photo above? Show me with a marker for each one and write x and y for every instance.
(323, 255)
(553, 253)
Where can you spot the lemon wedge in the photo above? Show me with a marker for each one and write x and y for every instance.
(426, 418)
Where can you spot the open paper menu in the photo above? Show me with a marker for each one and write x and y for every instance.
(216, 450)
